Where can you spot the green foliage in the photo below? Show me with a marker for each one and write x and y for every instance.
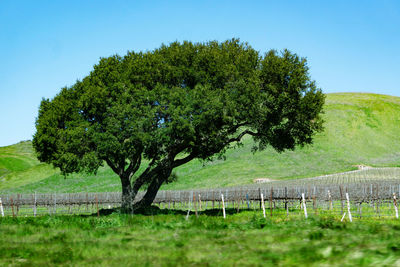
(245, 239)
(174, 104)
(350, 137)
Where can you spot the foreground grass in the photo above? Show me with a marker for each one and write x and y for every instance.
(168, 240)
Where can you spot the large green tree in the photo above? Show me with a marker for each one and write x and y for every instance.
(166, 107)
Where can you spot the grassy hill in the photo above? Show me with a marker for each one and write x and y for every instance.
(359, 129)
(19, 166)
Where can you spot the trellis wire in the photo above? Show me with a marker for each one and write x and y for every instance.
(371, 192)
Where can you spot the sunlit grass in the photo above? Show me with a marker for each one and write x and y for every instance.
(169, 239)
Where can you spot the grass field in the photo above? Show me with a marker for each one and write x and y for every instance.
(244, 239)
(359, 129)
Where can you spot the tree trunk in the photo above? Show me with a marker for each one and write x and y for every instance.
(157, 176)
(150, 194)
(128, 196)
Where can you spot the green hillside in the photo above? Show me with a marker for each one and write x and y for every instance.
(19, 166)
(359, 129)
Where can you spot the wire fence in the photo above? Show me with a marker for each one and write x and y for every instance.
(371, 193)
(369, 201)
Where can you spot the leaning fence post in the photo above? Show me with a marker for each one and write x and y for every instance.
(1, 209)
(304, 205)
(262, 204)
(344, 214)
(348, 207)
(223, 206)
(395, 205)
(341, 199)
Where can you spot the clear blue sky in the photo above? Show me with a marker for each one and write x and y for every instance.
(351, 46)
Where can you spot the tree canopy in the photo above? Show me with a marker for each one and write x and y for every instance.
(176, 103)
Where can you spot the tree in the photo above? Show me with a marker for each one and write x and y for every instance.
(166, 107)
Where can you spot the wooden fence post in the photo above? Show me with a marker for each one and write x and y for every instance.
(315, 205)
(286, 202)
(270, 200)
(169, 201)
(395, 206)
(213, 199)
(97, 206)
(17, 203)
(378, 200)
(262, 204)
(223, 206)
(87, 202)
(1, 209)
(234, 199)
(304, 205)
(219, 202)
(34, 205)
(195, 205)
(69, 203)
(207, 199)
(55, 203)
(199, 202)
(237, 201)
(12, 206)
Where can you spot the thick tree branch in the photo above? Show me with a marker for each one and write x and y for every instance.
(234, 128)
(143, 177)
(151, 192)
(240, 136)
(186, 159)
(112, 166)
(148, 169)
(133, 166)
